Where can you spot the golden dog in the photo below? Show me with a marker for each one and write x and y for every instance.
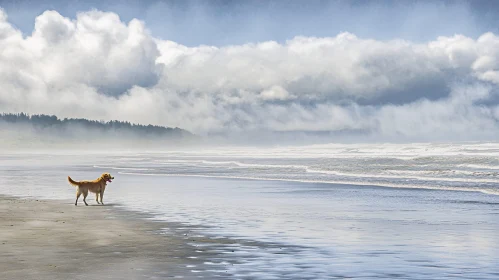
(97, 186)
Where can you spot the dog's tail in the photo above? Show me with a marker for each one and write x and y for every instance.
(72, 182)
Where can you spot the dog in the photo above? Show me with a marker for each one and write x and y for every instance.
(97, 186)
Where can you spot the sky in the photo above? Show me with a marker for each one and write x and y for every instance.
(229, 22)
(421, 70)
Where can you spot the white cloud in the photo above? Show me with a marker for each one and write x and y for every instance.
(275, 93)
(97, 66)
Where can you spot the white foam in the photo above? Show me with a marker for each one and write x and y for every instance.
(224, 163)
(122, 168)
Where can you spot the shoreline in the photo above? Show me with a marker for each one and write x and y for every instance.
(337, 183)
(45, 239)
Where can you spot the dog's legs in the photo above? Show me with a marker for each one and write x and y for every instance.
(85, 197)
(97, 198)
(78, 193)
(101, 196)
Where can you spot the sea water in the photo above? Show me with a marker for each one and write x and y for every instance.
(370, 211)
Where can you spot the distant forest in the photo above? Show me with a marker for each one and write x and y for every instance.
(42, 122)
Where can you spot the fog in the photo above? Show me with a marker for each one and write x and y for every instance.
(27, 136)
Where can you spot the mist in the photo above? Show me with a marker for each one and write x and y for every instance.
(42, 132)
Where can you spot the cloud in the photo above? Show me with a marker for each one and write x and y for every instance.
(275, 93)
(96, 50)
(99, 67)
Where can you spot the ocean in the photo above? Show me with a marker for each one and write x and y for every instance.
(335, 211)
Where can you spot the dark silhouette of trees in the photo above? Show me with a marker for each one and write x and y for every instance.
(45, 121)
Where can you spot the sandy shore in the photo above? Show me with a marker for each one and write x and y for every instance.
(56, 240)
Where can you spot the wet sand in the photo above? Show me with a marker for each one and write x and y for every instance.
(57, 240)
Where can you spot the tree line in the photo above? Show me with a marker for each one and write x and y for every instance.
(50, 121)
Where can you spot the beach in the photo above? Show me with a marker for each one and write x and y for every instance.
(249, 140)
(43, 239)
(256, 214)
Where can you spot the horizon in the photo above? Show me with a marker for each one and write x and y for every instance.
(401, 71)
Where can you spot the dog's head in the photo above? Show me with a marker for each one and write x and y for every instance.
(107, 177)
